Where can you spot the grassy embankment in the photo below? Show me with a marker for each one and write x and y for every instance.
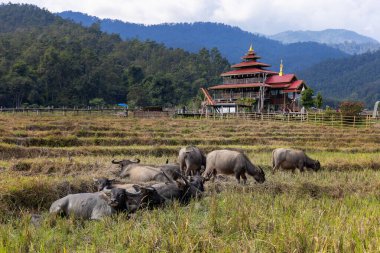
(336, 209)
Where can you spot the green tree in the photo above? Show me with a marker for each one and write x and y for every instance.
(307, 98)
(99, 102)
(319, 100)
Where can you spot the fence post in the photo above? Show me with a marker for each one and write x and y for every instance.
(354, 120)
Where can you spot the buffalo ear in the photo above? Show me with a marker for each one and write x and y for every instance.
(95, 180)
(136, 160)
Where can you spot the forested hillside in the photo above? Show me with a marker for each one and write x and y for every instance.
(46, 60)
(354, 78)
(232, 42)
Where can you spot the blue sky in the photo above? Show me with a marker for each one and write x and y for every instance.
(258, 16)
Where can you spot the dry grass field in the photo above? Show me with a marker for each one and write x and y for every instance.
(336, 209)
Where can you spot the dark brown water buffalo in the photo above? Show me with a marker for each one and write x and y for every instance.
(182, 191)
(137, 172)
(191, 159)
(232, 162)
(291, 159)
(145, 197)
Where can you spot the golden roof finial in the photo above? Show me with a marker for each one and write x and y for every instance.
(250, 49)
(281, 69)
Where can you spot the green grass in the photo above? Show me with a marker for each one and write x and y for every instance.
(334, 210)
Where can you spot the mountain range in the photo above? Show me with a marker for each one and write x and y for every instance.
(344, 40)
(232, 42)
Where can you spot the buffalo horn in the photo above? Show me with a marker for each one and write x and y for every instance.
(184, 179)
(138, 191)
(115, 162)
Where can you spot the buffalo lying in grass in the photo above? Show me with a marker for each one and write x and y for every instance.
(137, 172)
(182, 191)
(92, 206)
(191, 160)
(232, 162)
(291, 159)
(157, 193)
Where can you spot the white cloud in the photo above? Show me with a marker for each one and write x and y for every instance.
(263, 16)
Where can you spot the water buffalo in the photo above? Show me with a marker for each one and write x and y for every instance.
(105, 183)
(191, 159)
(91, 205)
(144, 173)
(182, 191)
(232, 162)
(145, 197)
(290, 159)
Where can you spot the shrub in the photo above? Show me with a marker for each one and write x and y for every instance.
(351, 108)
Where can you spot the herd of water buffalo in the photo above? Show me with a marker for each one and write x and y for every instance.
(152, 186)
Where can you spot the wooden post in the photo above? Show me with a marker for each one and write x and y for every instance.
(354, 121)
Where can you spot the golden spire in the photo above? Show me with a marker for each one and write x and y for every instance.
(250, 49)
(281, 69)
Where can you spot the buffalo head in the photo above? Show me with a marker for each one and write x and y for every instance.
(125, 162)
(118, 198)
(103, 183)
(259, 176)
(316, 165)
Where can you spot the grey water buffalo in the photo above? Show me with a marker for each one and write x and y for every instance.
(291, 159)
(90, 205)
(232, 162)
(191, 159)
(137, 172)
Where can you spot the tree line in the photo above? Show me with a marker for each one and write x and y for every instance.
(48, 61)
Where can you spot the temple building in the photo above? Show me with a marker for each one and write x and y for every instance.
(249, 86)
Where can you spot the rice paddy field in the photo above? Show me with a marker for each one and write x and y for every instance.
(336, 209)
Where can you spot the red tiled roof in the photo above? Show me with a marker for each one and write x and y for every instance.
(236, 86)
(296, 84)
(250, 56)
(249, 64)
(276, 86)
(247, 71)
(280, 79)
